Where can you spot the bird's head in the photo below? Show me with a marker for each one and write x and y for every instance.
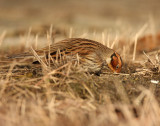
(115, 62)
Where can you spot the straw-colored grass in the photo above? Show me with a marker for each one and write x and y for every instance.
(65, 95)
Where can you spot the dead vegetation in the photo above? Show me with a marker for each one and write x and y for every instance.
(66, 95)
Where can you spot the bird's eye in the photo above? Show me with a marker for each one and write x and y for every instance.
(117, 66)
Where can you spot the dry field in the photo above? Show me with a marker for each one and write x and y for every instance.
(37, 95)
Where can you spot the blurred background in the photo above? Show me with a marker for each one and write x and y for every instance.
(83, 13)
(27, 22)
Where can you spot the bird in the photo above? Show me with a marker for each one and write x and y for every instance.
(92, 55)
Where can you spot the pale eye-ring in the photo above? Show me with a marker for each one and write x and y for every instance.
(117, 66)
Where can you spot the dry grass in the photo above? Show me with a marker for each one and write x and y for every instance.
(66, 95)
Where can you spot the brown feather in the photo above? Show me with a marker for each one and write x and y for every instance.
(93, 55)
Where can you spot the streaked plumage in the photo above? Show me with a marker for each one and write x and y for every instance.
(92, 55)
